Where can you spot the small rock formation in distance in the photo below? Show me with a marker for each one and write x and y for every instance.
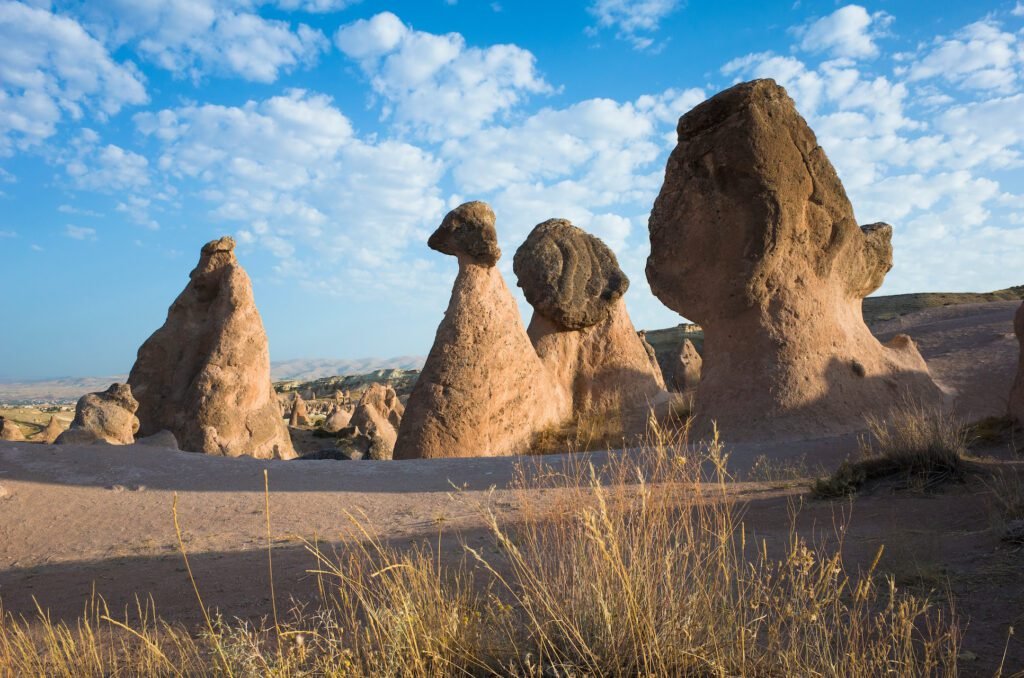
(337, 419)
(51, 431)
(10, 431)
(378, 414)
(205, 375)
(483, 391)
(753, 237)
(107, 417)
(299, 415)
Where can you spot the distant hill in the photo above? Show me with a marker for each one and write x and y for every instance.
(877, 309)
(313, 369)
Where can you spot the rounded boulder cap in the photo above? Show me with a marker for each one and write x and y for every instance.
(468, 230)
(568, 275)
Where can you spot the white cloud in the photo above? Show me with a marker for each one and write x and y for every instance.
(80, 232)
(316, 6)
(1018, 9)
(980, 56)
(107, 168)
(291, 174)
(195, 38)
(633, 20)
(436, 85)
(848, 32)
(51, 68)
(8, 234)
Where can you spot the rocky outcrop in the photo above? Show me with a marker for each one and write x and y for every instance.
(299, 415)
(378, 414)
(580, 327)
(10, 431)
(107, 417)
(162, 439)
(483, 391)
(1016, 403)
(753, 237)
(50, 432)
(338, 418)
(205, 375)
(681, 366)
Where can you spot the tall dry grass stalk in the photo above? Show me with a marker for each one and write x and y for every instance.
(640, 566)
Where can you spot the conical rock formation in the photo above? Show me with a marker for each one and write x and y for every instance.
(580, 327)
(753, 237)
(51, 431)
(483, 391)
(300, 414)
(205, 375)
(378, 414)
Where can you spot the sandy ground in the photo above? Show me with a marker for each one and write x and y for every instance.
(76, 518)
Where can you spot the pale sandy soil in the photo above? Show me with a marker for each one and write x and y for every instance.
(74, 518)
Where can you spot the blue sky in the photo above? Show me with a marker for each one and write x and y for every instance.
(330, 137)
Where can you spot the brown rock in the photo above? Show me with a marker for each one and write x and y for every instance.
(10, 431)
(468, 232)
(753, 237)
(378, 414)
(164, 439)
(51, 431)
(338, 419)
(580, 327)
(568, 275)
(299, 415)
(205, 375)
(688, 368)
(482, 391)
(1017, 391)
(107, 417)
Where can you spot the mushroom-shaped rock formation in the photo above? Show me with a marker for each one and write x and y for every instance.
(482, 391)
(1017, 392)
(753, 237)
(10, 431)
(378, 414)
(300, 414)
(205, 375)
(107, 417)
(580, 327)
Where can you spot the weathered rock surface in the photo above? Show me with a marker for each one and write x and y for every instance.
(753, 237)
(378, 414)
(107, 417)
(568, 275)
(682, 368)
(1016, 403)
(205, 375)
(483, 391)
(580, 327)
(10, 431)
(300, 414)
(51, 431)
(338, 418)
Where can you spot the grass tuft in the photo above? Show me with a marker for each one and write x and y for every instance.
(924, 446)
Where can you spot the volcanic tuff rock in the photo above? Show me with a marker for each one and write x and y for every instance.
(1017, 392)
(378, 414)
(682, 369)
(299, 415)
(338, 418)
(753, 237)
(10, 431)
(205, 375)
(107, 417)
(568, 275)
(51, 432)
(580, 327)
(483, 391)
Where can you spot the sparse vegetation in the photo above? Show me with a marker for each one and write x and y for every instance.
(923, 446)
(643, 567)
(584, 432)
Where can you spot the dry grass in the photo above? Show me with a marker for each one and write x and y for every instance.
(642, 567)
(920, 445)
(584, 432)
